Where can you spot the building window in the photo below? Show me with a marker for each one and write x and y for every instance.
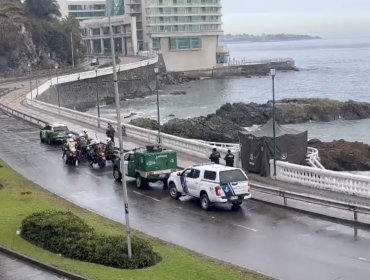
(185, 43)
(156, 44)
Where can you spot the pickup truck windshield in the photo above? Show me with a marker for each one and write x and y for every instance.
(60, 128)
(231, 176)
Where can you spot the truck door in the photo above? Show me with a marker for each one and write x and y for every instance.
(192, 182)
(129, 162)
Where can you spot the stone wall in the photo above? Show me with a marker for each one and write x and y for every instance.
(81, 95)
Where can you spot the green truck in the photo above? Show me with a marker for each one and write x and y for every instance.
(146, 165)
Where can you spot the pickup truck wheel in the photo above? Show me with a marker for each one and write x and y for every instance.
(204, 201)
(173, 191)
(236, 204)
(141, 182)
(117, 174)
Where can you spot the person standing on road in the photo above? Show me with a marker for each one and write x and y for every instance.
(110, 132)
(229, 159)
(215, 156)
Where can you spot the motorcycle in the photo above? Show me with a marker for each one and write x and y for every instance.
(96, 154)
(72, 157)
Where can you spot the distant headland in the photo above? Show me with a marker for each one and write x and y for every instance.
(229, 38)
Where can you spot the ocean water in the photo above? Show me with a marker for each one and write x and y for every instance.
(336, 68)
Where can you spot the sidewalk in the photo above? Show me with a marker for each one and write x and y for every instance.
(14, 269)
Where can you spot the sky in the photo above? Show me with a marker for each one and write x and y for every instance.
(325, 18)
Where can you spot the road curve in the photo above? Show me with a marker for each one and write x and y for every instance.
(272, 240)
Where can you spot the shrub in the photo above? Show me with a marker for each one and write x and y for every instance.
(66, 234)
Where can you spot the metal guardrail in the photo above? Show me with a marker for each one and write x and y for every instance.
(313, 200)
(24, 116)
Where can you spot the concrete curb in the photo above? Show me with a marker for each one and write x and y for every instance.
(41, 265)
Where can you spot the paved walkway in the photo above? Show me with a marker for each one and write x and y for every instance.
(14, 269)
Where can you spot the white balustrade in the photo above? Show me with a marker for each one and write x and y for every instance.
(322, 179)
(189, 146)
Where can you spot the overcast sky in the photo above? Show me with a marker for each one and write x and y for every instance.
(326, 18)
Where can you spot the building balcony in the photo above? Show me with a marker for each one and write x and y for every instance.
(219, 22)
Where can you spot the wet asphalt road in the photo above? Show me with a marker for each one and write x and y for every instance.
(272, 240)
(14, 269)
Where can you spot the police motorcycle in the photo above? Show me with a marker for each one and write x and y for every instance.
(96, 154)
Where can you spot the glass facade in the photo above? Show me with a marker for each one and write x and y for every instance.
(117, 7)
(185, 43)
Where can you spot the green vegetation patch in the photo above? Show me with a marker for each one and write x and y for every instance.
(68, 235)
(21, 198)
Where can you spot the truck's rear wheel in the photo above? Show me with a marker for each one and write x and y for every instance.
(204, 201)
(117, 174)
(173, 191)
(141, 182)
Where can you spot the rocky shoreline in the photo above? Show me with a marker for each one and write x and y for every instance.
(223, 126)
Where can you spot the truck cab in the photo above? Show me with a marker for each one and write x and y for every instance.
(211, 183)
(149, 164)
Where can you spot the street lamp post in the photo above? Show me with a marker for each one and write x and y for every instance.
(30, 70)
(56, 73)
(273, 74)
(119, 128)
(156, 71)
(97, 94)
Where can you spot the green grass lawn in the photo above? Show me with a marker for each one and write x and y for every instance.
(20, 198)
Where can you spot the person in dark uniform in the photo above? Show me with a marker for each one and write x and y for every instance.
(215, 156)
(110, 132)
(229, 159)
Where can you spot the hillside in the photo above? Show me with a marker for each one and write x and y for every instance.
(32, 33)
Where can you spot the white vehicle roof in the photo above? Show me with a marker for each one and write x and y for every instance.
(57, 124)
(212, 167)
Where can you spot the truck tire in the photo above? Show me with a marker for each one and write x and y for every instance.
(141, 182)
(117, 174)
(173, 191)
(204, 201)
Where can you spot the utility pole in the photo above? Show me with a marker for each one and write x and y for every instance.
(73, 59)
(273, 74)
(119, 128)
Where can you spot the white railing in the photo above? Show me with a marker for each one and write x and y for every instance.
(189, 146)
(322, 179)
(313, 158)
(89, 74)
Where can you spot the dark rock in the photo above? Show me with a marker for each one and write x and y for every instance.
(210, 128)
(145, 123)
(342, 155)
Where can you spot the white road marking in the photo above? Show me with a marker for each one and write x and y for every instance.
(141, 194)
(247, 228)
(363, 259)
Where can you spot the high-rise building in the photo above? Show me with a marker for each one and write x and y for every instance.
(88, 9)
(185, 31)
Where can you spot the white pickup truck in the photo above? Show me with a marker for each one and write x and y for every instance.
(211, 183)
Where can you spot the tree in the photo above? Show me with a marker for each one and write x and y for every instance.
(43, 9)
(10, 9)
